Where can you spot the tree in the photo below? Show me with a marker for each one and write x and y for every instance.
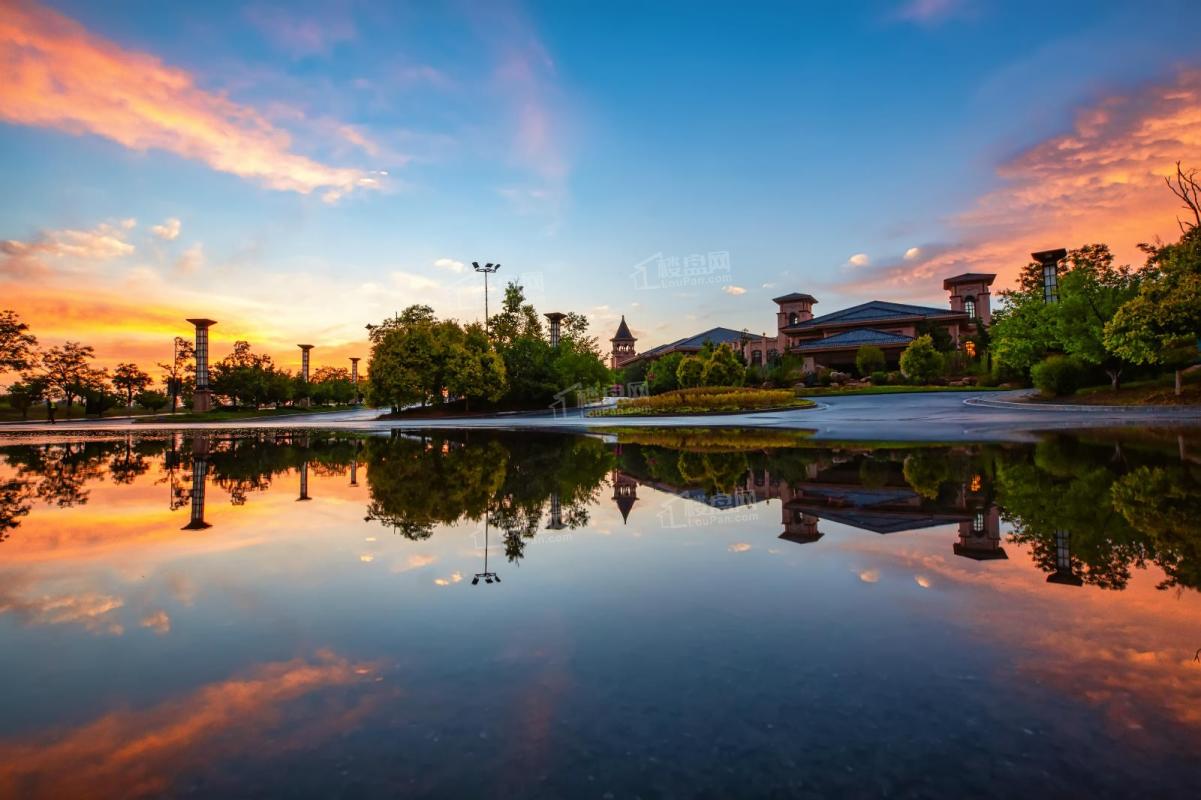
(869, 359)
(723, 368)
(67, 369)
(476, 370)
(151, 400)
(402, 358)
(920, 362)
(176, 371)
(691, 372)
(1090, 293)
(517, 318)
(661, 374)
(26, 393)
(1022, 331)
(17, 344)
(131, 380)
(1162, 323)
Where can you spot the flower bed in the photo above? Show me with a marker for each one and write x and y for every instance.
(707, 400)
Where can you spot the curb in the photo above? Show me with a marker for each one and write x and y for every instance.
(1134, 410)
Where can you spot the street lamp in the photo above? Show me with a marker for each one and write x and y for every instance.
(487, 269)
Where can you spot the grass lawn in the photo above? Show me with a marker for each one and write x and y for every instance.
(38, 413)
(706, 400)
(222, 415)
(1155, 392)
(838, 391)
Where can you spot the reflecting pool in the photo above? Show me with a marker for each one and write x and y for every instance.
(643, 613)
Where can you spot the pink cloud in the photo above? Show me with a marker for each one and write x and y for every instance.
(58, 75)
(1103, 181)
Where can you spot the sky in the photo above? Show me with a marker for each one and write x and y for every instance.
(297, 171)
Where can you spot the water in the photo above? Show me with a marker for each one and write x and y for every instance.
(658, 614)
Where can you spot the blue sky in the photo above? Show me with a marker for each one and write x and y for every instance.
(570, 141)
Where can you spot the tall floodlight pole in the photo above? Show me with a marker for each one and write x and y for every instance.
(487, 269)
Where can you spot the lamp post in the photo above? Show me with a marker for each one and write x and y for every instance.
(202, 396)
(487, 269)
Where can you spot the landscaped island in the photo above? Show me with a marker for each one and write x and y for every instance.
(706, 400)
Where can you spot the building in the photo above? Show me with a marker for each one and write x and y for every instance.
(832, 340)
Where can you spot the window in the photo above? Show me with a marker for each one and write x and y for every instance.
(978, 522)
(792, 318)
(773, 355)
(969, 305)
(756, 358)
(1050, 283)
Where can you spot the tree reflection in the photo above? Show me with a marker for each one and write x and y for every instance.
(417, 482)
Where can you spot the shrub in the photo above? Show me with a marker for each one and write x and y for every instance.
(895, 378)
(879, 377)
(705, 398)
(921, 362)
(1057, 376)
(690, 373)
(869, 359)
(823, 376)
(723, 368)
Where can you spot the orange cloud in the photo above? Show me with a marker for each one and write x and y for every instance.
(58, 75)
(1101, 182)
(48, 249)
(138, 753)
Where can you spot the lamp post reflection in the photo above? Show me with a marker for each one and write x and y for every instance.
(200, 466)
(1063, 574)
(489, 577)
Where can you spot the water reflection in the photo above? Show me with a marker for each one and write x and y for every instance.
(666, 612)
(1090, 511)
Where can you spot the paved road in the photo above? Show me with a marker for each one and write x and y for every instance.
(944, 416)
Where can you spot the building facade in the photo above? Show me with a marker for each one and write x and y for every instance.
(832, 340)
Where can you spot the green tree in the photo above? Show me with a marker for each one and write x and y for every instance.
(402, 358)
(1162, 323)
(128, 378)
(869, 359)
(475, 370)
(1022, 332)
(723, 368)
(921, 362)
(1090, 293)
(662, 372)
(17, 344)
(691, 371)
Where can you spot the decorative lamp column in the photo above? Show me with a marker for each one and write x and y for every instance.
(202, 397)
(1049, 259)
(555, 319)
(304, 368)
(1063, 573)
(304, 481)
(354, 376)
(200, 467)
(556, 513)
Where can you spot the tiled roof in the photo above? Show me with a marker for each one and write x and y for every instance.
(969, 277)
(715, 335)
(872, 311)
(623, 332)
(792, 298)
(855, 338)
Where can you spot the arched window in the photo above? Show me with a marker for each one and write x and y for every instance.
(756, 357)
(792, 318)
(969, 305)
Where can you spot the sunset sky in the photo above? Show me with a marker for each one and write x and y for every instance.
(297, 171)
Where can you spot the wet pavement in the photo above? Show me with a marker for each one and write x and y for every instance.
(945, 416)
